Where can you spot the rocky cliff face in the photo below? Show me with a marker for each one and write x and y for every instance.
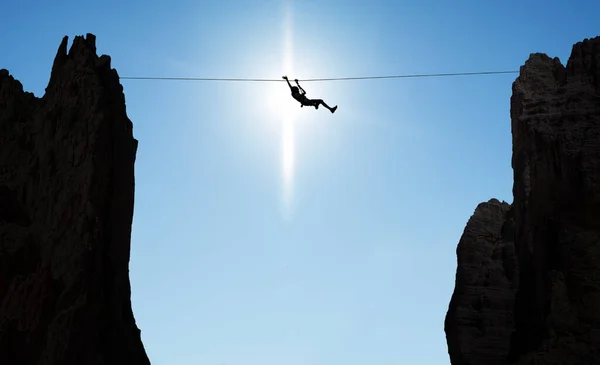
(544, 306)
(480, 316)
(66, 207)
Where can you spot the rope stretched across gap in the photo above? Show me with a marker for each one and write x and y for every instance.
(324, 79)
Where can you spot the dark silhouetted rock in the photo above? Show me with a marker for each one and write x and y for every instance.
(66, 208)
(555, 319)
(480, 321)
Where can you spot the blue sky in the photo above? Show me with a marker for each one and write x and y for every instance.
(268, 234)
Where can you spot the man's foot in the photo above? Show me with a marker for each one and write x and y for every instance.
(333, 109)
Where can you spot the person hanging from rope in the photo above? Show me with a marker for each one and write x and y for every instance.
(299, 94)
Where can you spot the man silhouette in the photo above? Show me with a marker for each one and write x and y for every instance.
(299, 94)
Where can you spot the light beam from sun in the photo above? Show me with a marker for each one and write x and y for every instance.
(287, 161)
(287, 135)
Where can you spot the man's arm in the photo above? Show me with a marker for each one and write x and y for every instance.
(300, 87)
(288, 82)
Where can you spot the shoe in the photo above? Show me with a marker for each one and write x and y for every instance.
(334, 109)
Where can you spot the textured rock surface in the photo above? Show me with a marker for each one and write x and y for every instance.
(66, 207)
(479, 321)
(555, 113)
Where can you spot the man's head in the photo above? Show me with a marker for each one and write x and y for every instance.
(294, 89)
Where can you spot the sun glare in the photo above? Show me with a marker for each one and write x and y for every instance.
(287, 163)
(287, 112)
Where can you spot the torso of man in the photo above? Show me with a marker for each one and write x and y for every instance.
(300, 97)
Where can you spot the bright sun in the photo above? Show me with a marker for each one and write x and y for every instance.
(279, 97)
(287, 108)
(280, 101)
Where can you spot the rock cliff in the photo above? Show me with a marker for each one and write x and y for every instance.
(528, 277)
(66, 208)
(479, 321)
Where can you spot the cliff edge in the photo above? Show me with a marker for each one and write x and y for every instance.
(66, 208)
(528, 278)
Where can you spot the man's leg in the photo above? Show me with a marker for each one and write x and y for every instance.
(320, 101)
(311, 102)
